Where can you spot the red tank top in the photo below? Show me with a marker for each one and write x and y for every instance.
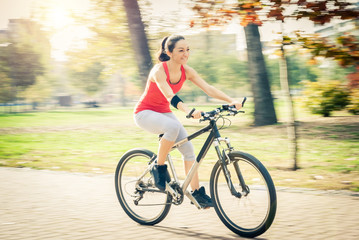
(153, 99)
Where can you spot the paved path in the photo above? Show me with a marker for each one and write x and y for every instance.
(58, 205)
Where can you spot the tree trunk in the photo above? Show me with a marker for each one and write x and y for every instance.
(139, 39)
(264, 112)
(291, 124)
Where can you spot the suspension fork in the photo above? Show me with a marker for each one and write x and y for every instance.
(224, 161)
(245, 189)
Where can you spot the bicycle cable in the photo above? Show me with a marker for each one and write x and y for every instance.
(223, 122)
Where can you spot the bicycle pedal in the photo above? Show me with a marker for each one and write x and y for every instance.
(201, 206)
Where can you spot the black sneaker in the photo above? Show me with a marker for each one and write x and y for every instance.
(202, 198)
(160, 176)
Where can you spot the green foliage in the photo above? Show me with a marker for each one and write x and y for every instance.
(89, 79)
(39, 91)
(24, 64)
(110, 42)
(323, 97)
(6, 90)
(224, 70)
(353, 106)
(20, 66)
(23, 59)
(298, 71)
(205, 65)
(233, 73)
(108, 50)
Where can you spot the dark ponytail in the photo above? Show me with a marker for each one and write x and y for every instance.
(162, 56)
(168, 44)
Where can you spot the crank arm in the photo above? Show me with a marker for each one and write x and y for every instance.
(149, 190)
(171, 190)
(192, 199)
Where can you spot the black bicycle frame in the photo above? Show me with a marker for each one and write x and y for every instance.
(214, 134)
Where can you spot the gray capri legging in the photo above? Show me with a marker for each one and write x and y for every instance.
(168, 125)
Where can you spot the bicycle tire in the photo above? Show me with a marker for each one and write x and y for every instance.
(154, 206)
(246, 216)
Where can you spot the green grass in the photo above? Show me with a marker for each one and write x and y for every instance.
(93, 140)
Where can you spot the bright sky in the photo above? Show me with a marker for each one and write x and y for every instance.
(58, 18)
(13, 9)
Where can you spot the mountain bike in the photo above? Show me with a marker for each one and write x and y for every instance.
(241, 188)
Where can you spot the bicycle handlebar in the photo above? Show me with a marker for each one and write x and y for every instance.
(211, 114)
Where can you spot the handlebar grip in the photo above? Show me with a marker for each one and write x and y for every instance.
(244, 100)
(190, 113)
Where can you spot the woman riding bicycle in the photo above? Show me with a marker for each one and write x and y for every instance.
(153, 113)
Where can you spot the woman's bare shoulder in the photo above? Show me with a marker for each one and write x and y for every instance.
(187, 67)
(157, 72)
(190, 72)
(157, 67)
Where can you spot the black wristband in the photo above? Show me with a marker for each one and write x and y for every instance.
(175, 100)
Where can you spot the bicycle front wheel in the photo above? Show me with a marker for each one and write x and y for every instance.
(253, 212)
(135, 189)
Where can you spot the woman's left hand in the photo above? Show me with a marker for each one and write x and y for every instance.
(236, 104)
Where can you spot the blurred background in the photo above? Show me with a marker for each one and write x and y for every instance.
(63, 53)
(294, 60)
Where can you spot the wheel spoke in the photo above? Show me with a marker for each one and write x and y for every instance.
(138, 197)
(253, 213)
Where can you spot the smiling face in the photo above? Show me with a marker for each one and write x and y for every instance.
(180, 52)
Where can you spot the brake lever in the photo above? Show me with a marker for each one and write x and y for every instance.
(190, 113)
(244, 100)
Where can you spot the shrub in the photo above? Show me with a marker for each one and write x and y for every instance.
(353, 106)
(323, 97)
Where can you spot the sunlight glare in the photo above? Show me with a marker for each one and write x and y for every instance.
(58, 18)
(66, 33)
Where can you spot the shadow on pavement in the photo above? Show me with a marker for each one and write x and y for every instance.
(185, 232)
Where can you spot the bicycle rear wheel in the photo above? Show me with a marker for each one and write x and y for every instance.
(249, 215)
(138, 196)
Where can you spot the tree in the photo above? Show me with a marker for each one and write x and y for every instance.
(344, 51)
(6, 93)
(109, 45)
(213, 12)
(139, 39)
(318, 12)
(218, 12)
(24, 64)
(22, 61)
(89, 79)
(38, 92)
(264, 112)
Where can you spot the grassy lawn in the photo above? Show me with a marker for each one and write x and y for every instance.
(93, 140)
